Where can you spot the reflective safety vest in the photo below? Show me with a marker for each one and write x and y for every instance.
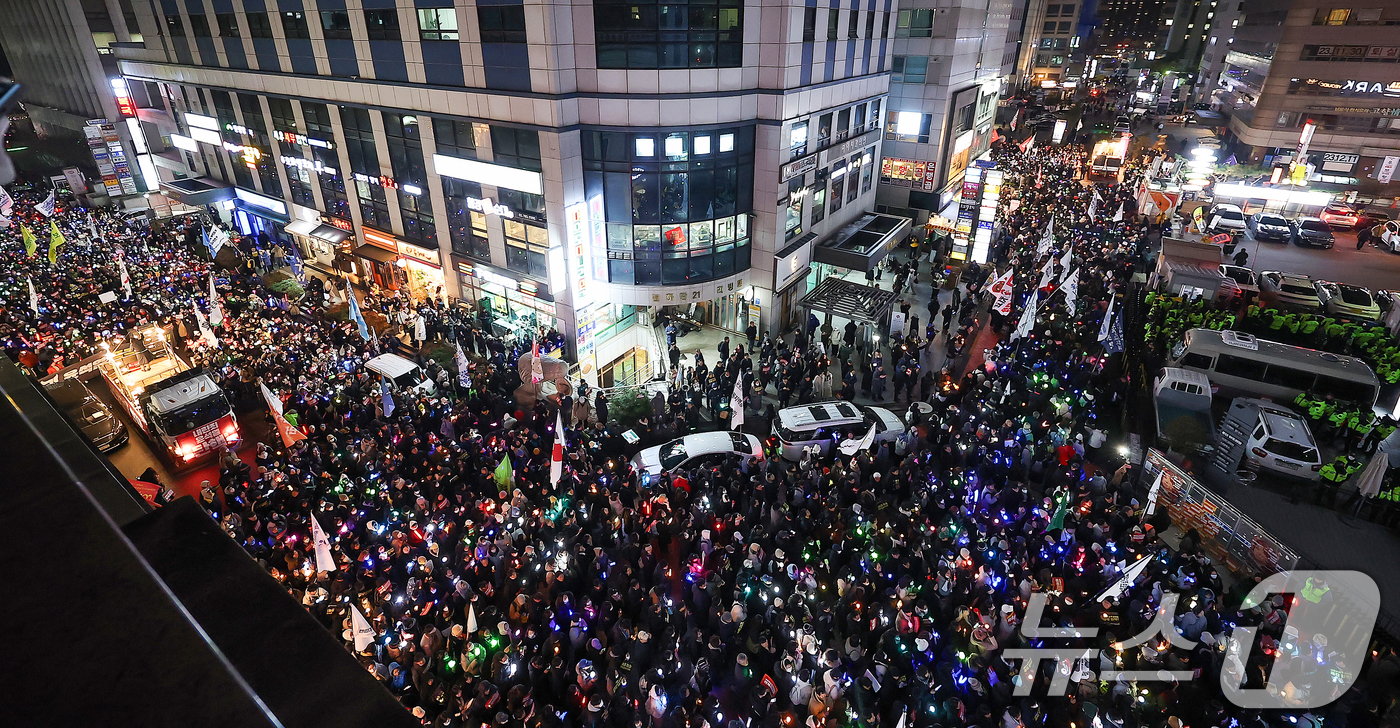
(1329, 473)
(1314, 593)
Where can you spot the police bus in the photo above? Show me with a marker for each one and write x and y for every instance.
(1239, 364)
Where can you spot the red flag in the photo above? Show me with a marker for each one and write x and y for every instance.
(556, 461)
(284, 428)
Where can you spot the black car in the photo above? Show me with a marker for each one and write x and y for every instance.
(1268, 226)
(1313, 232)
(89, 413)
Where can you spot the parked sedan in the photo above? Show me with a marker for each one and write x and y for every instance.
(1388, 233)
(1290, 290)
(1268, 226)
(699, 450)
(1312, 232)
(89, 413)
(1347, 301)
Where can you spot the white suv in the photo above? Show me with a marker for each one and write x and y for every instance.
(1225, 217)
(1281, 443)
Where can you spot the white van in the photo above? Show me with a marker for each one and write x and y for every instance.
(402, 372)
(1281, 443)
(823, 423)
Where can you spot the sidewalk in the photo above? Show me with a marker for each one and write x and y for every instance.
(707, 339)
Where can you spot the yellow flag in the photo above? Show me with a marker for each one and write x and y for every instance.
(30, 245)
(56, 240)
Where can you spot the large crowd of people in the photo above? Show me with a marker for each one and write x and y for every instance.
(880, 588)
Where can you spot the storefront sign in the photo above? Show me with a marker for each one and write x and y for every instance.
(1345, 87)
(1387, 170)
(125, 106)
(251, 155)
(929, 177)
(490, 276)
(206, 136)
(345, 225)
(202, 122)
(380, 240)
(597, 233)
(797, 166)
(292, 137)
(257, 200)
(110, 156)
(1338, 162)
(521, 180)
(313, 165)
(489, 207)
(576, 217)
(238, 129)
(831, 154)
(420, 255)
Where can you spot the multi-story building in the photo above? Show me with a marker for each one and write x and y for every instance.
(1221, 39)
(1128, 26)
(950, 63)
(1309, 69)
(568, 165)
(61, 50)
(1058, 56)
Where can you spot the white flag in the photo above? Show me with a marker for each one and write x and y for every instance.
(1121, 586)
(216, 311)
(736, 404)
(324, 560)
(5, 222)
(205, 332)
(1047, 274)
(1107, 320)
(1152, 493)
(7, 203)
(1118, 216)
(852, 446)
(33, 297)
(1064, 263)
(46, 207)
(92, 228)
(125, 275)
(274, 402)
(471, 619)
(1094, 206)
(556, 459)
(1047, 239)
(420, 329)
(1071, 287)
(1004, 288)
(363, 632)
(464, 374)
(1027, 322)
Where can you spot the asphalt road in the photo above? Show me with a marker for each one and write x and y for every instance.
(1372, 267)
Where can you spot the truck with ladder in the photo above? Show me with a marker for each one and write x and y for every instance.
(182, 410)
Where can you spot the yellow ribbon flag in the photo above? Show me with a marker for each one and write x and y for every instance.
(56, 240)
(30, 245)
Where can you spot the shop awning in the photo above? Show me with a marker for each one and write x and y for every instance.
(374, 252)
(302, 227)
(330, 234)
(318, 230)
(197, 192)
(863, 243)
(850, 300)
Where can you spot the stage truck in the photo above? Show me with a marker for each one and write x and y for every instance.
(1106, 163)
(183, 412)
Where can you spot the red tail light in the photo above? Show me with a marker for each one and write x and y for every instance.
(1259, 452)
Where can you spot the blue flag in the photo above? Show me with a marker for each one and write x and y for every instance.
(1232, 160)
(388, 399)
(1114, 343)
(207, 244)
(355, 314)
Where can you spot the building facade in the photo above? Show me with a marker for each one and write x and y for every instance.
(1058, 55)
(951, 61)
(61, 50)
(577, 166)
(1306, 69)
